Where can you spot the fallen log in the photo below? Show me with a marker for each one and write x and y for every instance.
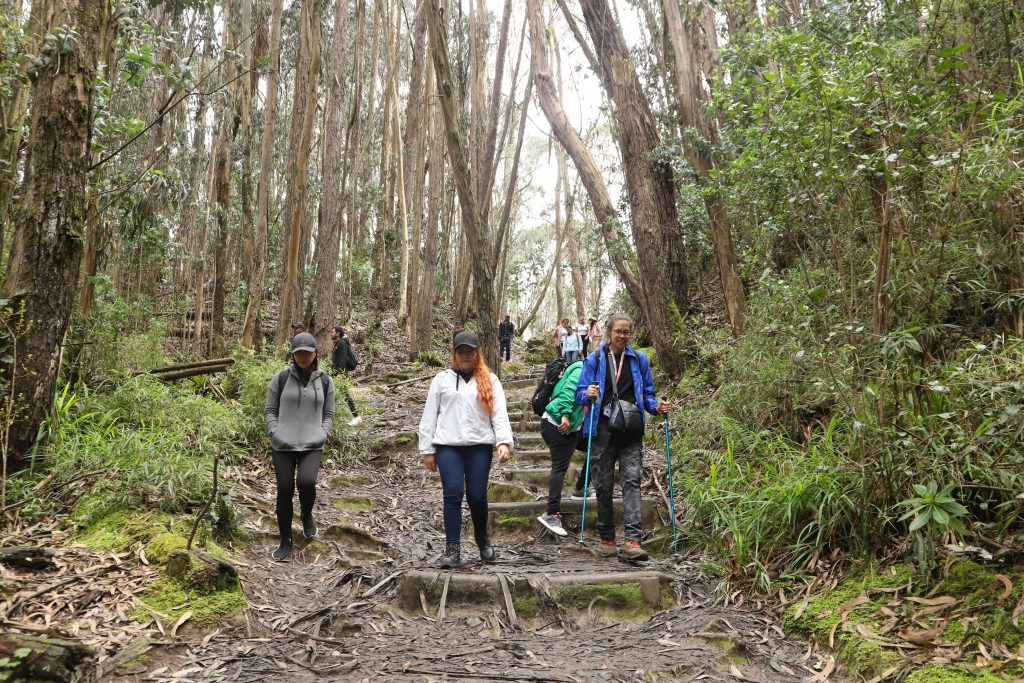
(411, 381)
(47, 659)
(191, 372)
(186, 366)
(27, 557)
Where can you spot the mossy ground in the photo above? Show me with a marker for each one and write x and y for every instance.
(977, 617)
(944, 673)
(354, 503)
(170, 599)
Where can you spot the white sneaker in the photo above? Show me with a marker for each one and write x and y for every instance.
(553, 523)
(358, 419)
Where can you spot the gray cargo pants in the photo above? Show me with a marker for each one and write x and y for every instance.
(608, 448)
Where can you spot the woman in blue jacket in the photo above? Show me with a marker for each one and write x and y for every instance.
(616, 379)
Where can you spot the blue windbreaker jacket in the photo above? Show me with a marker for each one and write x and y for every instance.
(595, 370)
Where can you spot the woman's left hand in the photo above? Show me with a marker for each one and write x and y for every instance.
(504, 452)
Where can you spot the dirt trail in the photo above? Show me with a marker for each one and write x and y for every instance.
(365, 602)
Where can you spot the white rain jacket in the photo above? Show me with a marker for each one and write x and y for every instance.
(453, 415)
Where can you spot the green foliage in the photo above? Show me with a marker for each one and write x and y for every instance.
(934, 511)
(808, 435)
(146, 445)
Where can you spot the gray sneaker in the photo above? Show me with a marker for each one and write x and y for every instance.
(578, 494)
(553, 523)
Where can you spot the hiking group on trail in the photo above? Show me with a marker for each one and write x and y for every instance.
(594, 403)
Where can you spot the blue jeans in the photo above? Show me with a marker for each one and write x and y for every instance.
(464, 470)
(572, 356)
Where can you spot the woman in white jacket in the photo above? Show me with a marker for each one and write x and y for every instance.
(464, 418)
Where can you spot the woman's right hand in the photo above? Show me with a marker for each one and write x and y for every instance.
(430, 462)
(563, 426)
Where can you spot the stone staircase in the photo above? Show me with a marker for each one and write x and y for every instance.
(567, 574)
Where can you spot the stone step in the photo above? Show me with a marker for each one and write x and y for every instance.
(532, 440)
(524, 383)
(537, 477)
(512, 519)
(623, 595)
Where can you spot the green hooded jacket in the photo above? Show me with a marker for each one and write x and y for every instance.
(563, 398)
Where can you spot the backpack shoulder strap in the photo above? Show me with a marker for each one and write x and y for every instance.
(281, 380)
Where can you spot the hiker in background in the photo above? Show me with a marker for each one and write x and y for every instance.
(344, 361)
(616, 379)
(456, 328)
(296, 327)
(583, 330)
(506, 330)
(464, 418)
(560, 429)
(299, 414)
(594, 335)
(572, 345)
(558, 336)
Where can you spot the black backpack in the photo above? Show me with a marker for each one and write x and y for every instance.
(349, 360)
(552, 373)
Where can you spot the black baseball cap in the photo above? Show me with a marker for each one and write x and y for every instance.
(303, 341)
(467, 338)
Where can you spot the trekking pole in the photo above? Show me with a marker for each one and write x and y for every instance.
(586, 470)
(671, 495)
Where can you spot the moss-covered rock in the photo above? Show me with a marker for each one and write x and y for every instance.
(507, 493)
(623, 601)
(161, 546)
(167, 599)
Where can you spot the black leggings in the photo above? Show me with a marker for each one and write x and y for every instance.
(285, 465)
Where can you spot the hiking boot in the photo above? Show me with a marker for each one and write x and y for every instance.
(358, 419)
(283, 550)
(553, 523)
(452, 556)
(631, 550)
(608, 548)
(487, 553)
(578, 494)
(309, 529)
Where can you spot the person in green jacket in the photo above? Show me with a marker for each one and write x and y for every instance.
(560, 428)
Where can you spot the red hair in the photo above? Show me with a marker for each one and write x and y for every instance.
(484, 389)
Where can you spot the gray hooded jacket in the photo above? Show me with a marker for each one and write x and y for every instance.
(301, 417)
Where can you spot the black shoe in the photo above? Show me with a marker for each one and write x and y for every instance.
(283, 550)
(487, 553)
(452, 556)
(309, 529)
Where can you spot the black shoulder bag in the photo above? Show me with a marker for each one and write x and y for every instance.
(624, 417)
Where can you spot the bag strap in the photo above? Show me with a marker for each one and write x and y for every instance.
(617, 371)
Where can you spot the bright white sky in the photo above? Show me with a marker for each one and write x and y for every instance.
(583, 99)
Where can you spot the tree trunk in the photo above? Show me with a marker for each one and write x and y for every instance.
(352, 153)
(410, 146)
(329, 231)
(689, 101)
(435, 205)
(46, 252)
(477, 234)
(258, 276)
(650, 186)
(607, 217)
(222, 187)
(307, 71)
(416, 302)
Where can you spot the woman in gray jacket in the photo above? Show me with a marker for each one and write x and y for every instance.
(299, 413)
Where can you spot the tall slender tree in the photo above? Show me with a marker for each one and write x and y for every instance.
(40, 283)
(307, 72)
